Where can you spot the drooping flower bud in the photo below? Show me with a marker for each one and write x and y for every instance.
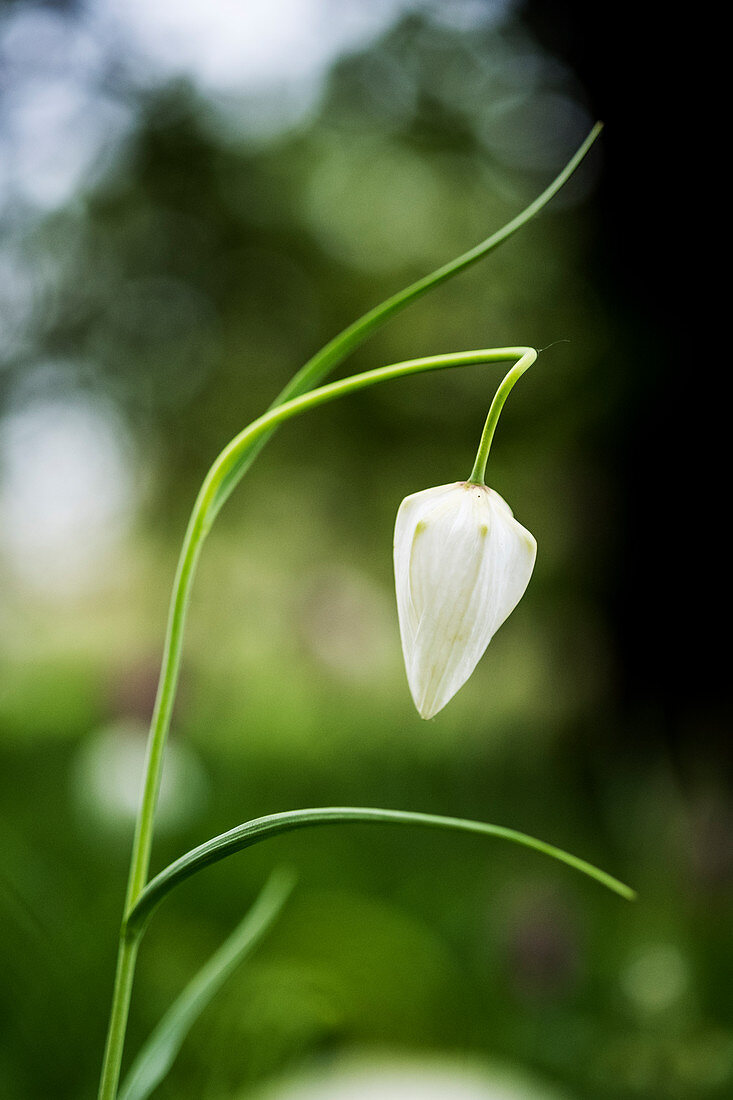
(462, 564)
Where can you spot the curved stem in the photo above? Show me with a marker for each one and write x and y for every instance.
(206, 507)
(228, 459)
(478, 472)
(208, 504)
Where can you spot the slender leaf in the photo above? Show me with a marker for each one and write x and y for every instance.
(262, 828)
(161, 1049)
(337, 349)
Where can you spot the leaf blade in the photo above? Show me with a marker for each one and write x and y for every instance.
(259, 829)
(160, 1050)
(340, 346)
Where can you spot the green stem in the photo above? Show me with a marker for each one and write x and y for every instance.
(478, 472)
(206, 507)
(126, 958)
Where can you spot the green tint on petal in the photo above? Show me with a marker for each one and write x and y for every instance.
(462, 564)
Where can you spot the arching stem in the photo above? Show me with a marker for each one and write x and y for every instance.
(206, 507)
(478, 472)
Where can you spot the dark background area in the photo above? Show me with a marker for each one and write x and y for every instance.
(653, 255)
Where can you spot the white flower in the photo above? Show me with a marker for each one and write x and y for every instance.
(462, 564)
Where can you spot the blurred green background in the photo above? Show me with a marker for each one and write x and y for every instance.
(194, 198)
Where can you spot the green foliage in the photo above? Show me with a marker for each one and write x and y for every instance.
(154, 1061)
(253, 832)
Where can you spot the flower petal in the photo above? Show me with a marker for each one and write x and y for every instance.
(462, 563)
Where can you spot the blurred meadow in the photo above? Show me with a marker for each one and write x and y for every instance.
(194, 197)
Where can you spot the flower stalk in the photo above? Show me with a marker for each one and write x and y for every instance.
(206, 507)
(478, 473)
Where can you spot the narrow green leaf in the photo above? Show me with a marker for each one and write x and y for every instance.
(337, 349)
(161, 1049)
(340, 346)
(262, 828)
